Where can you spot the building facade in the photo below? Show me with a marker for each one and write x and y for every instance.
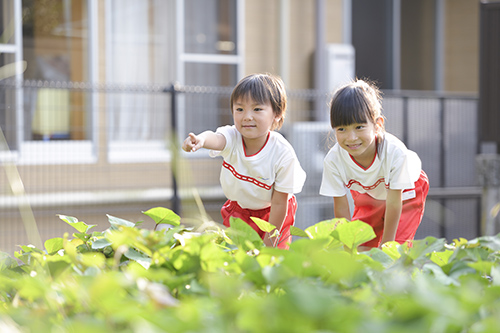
(89, 131)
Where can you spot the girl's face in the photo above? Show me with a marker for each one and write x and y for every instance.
(359, 140)
(252, 119)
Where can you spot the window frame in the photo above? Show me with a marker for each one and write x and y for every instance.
(183, 58)
(150, 151)
(32, 152)
(17, 50)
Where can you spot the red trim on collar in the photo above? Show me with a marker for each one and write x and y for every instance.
(245, 151)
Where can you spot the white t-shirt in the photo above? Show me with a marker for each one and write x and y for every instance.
(249, 180)
(397, 167)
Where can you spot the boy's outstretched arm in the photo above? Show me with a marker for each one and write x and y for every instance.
(207, 139)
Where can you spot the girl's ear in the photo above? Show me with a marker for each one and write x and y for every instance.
(380, 123)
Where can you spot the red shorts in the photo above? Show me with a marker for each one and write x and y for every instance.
(372, 211)
(232, 208)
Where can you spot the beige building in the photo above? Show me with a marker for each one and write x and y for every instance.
(102, 144)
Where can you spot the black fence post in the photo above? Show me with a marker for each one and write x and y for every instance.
(406, 125)
(176, 202)
(442, 164)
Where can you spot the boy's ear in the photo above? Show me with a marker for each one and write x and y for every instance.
(380, 123)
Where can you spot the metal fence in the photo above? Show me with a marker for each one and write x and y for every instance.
(89, 150)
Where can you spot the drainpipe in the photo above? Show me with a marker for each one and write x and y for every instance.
(439, 46)
(319, 63)
(284, 58)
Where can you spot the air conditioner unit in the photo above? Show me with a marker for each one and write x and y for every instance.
(311, 141)
(338, 69)
(340, 65)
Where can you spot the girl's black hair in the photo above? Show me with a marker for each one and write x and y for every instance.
(357, 102)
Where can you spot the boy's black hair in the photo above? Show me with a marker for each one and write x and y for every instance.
(263, 88)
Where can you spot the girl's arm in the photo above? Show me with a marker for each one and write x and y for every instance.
(207, 139)
(341, 207)
(393, 208)
(279, 206)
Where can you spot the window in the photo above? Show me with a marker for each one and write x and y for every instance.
(140, 38)
(11, 67)
(159, 42)
(210, 53)
(55, 46)
(48, 41)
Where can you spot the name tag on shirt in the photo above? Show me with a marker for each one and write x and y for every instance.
(408, 195)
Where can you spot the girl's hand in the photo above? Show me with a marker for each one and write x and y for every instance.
(268, 241)
(193, 142)
(363, 248)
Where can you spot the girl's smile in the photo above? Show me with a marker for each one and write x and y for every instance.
(359, 140)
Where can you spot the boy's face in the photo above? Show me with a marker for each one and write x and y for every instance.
(252, 119)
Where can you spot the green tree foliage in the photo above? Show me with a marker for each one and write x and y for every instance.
(213, 279)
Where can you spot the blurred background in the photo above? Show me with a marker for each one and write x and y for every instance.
(96, 94)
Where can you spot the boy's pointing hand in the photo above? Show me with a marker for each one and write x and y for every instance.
(192, 143)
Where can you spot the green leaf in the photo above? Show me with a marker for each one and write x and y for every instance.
(263, 224)
(81, 227)
(294, 231)
(483, 267)
(495, 275)
(439, 275)
(421, 248)
(163, 216)
(459, 242)
(240, 232)
(93, 259)
(6, 261)
(391, 249)
(100, 243)
(441, 258)
(30, 248)
(385, 256)
(57, 265)
(136, 255)
(84, 237)
(116, 221)
(324, 229)
(490, 242)
(354, 233)
(458, 268)
(53, 245)
(213, 258)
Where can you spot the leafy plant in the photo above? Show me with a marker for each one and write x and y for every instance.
(213, 279)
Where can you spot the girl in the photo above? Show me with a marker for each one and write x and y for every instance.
(386, 181)
(260, 172)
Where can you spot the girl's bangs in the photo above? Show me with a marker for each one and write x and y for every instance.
(346, 110)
